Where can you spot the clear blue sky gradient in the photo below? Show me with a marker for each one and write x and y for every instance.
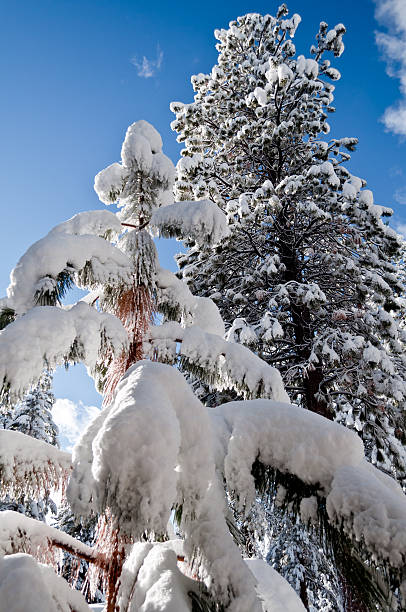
(69, 91)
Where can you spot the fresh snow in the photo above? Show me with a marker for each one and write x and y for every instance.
(28, 585)
(58, 252)
(29, 465)
(230, 365)
(47, 335)
(91, 222)
(276, 593)
(148, 455)
(369, 505)
(175, 295)
(203, 221)
(18, 531)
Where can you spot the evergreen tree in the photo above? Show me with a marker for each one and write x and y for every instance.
(307, 278)
(33, 417)
(155, 451)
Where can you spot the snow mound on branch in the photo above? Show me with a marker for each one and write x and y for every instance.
(53, 336)
(176, 298)
(30, 466)
(140, 130)
(227, 365)
(152, 581)
(283, 436)
(369, 505)
(276, 593)
(81, 486)
(151, 429)
(22, 533)
(148, 455)
(92, 222)
(28, 585)
(203, 221)
(109, 183)
(56, 253)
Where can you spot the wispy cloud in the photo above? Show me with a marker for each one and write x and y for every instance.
(401, 228)
(147, 68)
(72, 419)
(392, 15)
(400, 195)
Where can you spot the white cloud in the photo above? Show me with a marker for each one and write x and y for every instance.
(400, 195)
(147, 68)
(400, 227)
(72, 419)
(392, 15)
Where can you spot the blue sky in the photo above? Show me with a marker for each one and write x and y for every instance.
(73, 78)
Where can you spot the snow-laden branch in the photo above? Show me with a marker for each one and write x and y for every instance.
(37, 273)
(369, 505)
(20, 533)
(202, 220)
(90, 222)
(225, 365)
(30, 466)
(51, 336)
(175, 299)
(147, 456)
(151, 574)
(28, 585)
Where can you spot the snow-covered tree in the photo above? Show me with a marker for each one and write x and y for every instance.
(155, 453)
(33, 417)
(308, 276)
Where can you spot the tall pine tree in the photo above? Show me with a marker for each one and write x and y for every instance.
(308, 277)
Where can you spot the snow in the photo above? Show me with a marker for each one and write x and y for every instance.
(29, 465)
(47, 335)
(149, 456)
(230, 365)
(109, 183)
(276, 593)
(140, 130)
(152, 581)
(203, 221)
(369, 505)
(19, 532)
(28, 585)
(284, 436)
(92, 222)
(308, 67)
(57, 252)
(175, 295)
(143, 167)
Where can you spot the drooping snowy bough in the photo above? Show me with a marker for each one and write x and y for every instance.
(148, 450)
(147, 457)
(366, 503)
(30, 466)
(48, 336)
